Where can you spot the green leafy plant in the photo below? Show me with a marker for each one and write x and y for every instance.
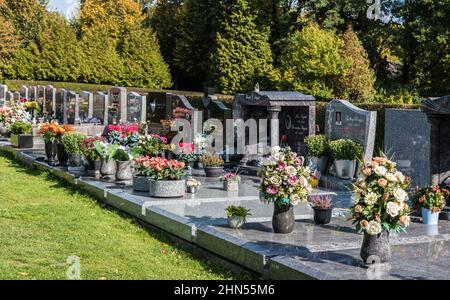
(73, 142)
(317, 145)
(345, 150)
(122, 155)
(21, 128)
(238, 211)
(209, 160)
(105, 150)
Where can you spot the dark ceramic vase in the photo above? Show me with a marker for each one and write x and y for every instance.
(376, 248)
(322, 216)
(283, 220)
(51, 152)
(94, 167)
(63, 157)
(213, 171)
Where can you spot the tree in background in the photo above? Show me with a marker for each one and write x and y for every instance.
(357, 84)
(243, 55)
(9, 43)
(425, 40)
(194, 47)
(312, 61)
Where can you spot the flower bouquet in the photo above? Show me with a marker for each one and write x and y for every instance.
(150, 145)
(91, 153)
(123, 134)
(285, 183)
(431, 201)
(231, 181)
(192, 185)
(380, 206)
(187, 154)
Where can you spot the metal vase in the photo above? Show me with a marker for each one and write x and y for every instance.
(283, 220)
(345, 169)
(376, 248)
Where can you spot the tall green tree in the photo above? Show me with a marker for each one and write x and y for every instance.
(9, 43)
(357, 83)
(243, 55)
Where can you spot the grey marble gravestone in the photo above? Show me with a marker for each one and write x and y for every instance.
(85, 107)
(407, 142)
(117, 106)
(136, 108)
(25, 92)
(40, 97)
(438, 113)
(33, 92)
(344, 120)
(9, 98)
(17, 96)
(3, 92)
(100, 108)
(50, 100)
(294, 112)
(61, 106)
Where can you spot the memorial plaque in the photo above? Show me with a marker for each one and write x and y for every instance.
(3, 92)
(344, 120)
(411, 151)
(85, 108)
(99, 108)
(50, 100)
(117, 108)
(136, 108)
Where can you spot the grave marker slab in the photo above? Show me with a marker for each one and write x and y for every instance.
(136, 108)
(157, 103)
(3, 92)
(25, 92)
(50, 100)
(85, 107)
(407, 141)
(344, 120)
(117, 107)
(100, 108)
(61, 106)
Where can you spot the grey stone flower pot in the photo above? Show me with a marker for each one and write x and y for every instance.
(213, 171)
(283, 220)
(167, 189)
(376, 247)
(231, 186)
(345, 169)
(236, 222)
(124, 172)
(22, 141)
(108, 168)
(141, 183)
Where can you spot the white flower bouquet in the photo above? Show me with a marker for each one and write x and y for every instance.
(380, 199)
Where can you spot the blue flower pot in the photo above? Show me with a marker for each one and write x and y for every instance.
(429, 217)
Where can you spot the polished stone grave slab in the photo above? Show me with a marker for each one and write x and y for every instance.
(319, 252)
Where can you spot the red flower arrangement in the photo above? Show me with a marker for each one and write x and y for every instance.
(158, 168)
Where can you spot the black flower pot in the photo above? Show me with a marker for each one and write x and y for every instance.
(283, 220)
(51, 152)
(63, 157)
(213, 172)
(376, 248)
(94, 167)
(322, 216)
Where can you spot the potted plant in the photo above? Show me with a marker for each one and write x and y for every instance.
(213, 165)
(150, 145)
(192, 185)
(380, 206)
(72, 143)
(124, 161)
(20, 135)
(318, 151)
(431, 201)
(166, 178)
(345, 154)
(285, 183)
(237, 216)
(322, 208)
(187, 154)
(49, 132)
(231, 182)
(107, 151)
(62, 154)
(92, 155)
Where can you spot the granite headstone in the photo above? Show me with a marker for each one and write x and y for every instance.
(136, 108)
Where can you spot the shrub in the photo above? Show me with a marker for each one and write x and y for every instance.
(317, 145)
(73, 142)
(122, 155)
(345, 150)
(209, 160)
(21, 128)
(238, 211)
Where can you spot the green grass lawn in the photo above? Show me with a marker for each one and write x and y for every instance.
(42, 223)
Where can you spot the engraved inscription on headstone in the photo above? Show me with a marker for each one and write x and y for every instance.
(117, 107)
(157, 106)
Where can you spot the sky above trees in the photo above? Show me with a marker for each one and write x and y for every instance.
(66, 7)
